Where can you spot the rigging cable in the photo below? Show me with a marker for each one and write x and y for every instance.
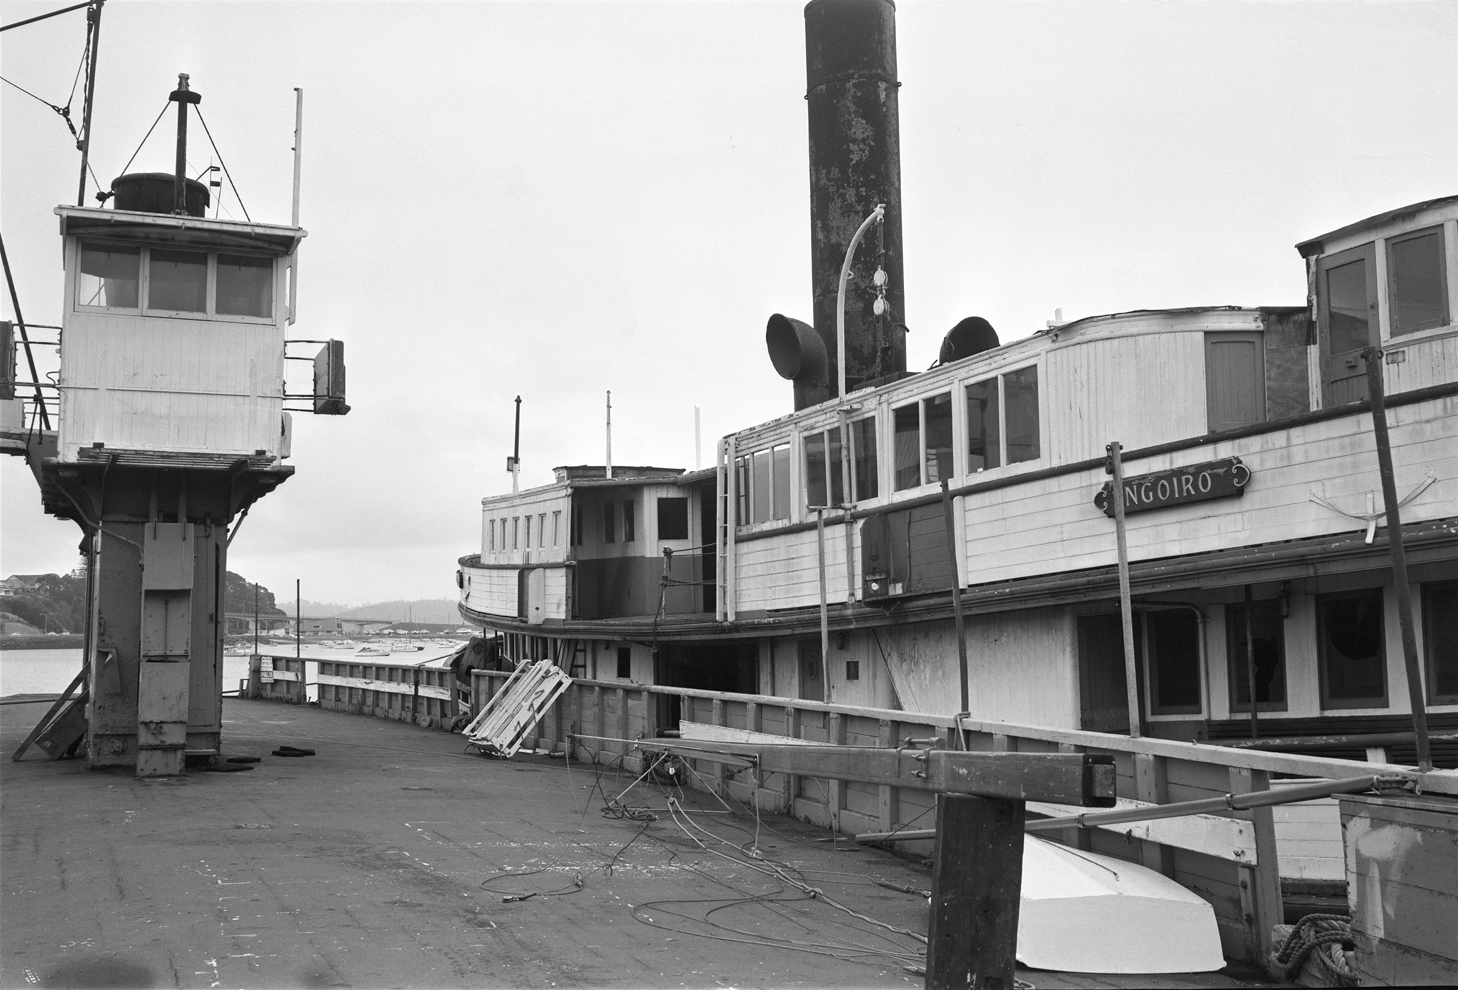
(209, 133)
(144, 138)
(41, 17)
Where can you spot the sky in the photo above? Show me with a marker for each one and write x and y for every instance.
(555, 200)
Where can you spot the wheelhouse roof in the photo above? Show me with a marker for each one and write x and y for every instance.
(177, 229)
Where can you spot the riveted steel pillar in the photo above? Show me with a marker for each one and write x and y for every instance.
(855, 163)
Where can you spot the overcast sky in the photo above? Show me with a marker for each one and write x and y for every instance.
(557, 199)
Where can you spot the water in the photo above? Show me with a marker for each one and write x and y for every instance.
(49, 671)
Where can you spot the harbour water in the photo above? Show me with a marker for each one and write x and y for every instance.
(49, 671)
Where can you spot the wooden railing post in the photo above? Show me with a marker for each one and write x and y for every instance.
(976, 883)
(721, 772)
(599, 719)
(1151, 783)
(1260, 886)
(754, 722)
(792, 782)
(623, 722)
(835, 790)
(889, 803)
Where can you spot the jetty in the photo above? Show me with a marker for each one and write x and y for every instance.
(389, 857)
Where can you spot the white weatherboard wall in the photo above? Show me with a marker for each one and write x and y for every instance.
(173, 384)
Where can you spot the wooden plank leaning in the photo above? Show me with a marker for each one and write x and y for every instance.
(49, 716)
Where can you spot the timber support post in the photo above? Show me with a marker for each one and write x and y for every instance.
(972, 935)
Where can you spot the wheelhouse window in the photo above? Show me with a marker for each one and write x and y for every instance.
(177, 281)
(245, 285)
(762, 481)
(1268, 642)
(1003, 425)
(864, 465)
(1417, 281)
(1349, 641)
(824, 479)
(171, 281)
(1440, 641)
(109, 275)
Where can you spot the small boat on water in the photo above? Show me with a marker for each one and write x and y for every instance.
(373, 651)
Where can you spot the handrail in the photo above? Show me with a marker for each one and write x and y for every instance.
(1435, 781)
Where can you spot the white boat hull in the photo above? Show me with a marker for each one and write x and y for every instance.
(1084, 912)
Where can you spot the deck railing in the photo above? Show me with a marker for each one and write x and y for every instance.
(1229, 859)
(404, 692)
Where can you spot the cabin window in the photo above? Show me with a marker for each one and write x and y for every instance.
(1268, 639)
(1417, 280)
(1020, 398)
(763, 485)
(629, 520)
(177, 281)
(609, 522)
(1003, 426)
(906, 441)
(541, 529)
(245, 285)
(824, 479)
(936, 425)
(1173, 652)
(864, 475)
(852, 670)
(1350, 648)
(557, 528)
(673, 518)
(984, 426)
(515, 530)
(527, 542)
(109, 276)
(491, 526)
(1440, 641)
(625, 662)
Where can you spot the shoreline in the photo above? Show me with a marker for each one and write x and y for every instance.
(60, 641)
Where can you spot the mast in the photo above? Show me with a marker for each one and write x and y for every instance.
(93, 20)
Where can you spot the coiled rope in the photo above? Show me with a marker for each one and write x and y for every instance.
(1323, 937)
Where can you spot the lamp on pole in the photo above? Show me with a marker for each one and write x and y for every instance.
(877, 215)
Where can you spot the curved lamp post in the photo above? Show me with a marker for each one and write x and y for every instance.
(877, 215)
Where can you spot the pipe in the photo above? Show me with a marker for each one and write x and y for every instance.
(824, 611)
(956, 605)
(1372, 356)
(182, 96)
(609, 433)
(298, 146)
(877, 215)
(1250, 673)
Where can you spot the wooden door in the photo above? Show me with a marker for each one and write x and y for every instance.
(1103, 697)
(1346, 293)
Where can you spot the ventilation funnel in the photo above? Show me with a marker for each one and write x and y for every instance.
(971, 336)
(798, 353)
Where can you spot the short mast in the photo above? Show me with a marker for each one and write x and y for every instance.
(182, 96)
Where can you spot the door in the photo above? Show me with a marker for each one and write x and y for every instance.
(1346, 289)
(1103, 697)
(812, 683)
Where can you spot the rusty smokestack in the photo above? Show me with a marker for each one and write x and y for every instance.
(855, 163)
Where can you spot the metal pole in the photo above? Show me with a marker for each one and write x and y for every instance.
(93, 16)
(1373, 357)
(298, 618)
(609, 434)
(179, 178)
(956, 600)
(298, 146)
(824, 609)
(516, 451)
(40, 397)
(847, 498)
(1126, 610)
(1250, 673)
(255, 618)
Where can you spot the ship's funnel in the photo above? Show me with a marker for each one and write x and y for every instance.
(855, 163)
(799, 354)
(155, 192)
(971, 336)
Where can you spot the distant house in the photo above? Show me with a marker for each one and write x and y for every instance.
(20, 584)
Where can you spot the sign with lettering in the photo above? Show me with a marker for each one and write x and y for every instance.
(1178, 486)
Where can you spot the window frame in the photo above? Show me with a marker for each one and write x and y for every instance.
(1393, 334)
(1236, 675)
(1004, 459)
(144, 284)
(1150, 663)
(1430, 679)
(834, 477)
(630, 520)
(746, 479)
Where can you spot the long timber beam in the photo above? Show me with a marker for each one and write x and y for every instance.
(1081, 779)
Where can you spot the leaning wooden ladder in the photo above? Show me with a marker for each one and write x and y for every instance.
(512, 712)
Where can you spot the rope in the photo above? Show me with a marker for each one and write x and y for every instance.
(223, 163)
(1324, 938)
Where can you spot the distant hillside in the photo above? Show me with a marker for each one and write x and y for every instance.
(432, 610)
(439, 610)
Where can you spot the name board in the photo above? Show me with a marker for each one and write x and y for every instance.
(1196, 483)
(265, 669)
